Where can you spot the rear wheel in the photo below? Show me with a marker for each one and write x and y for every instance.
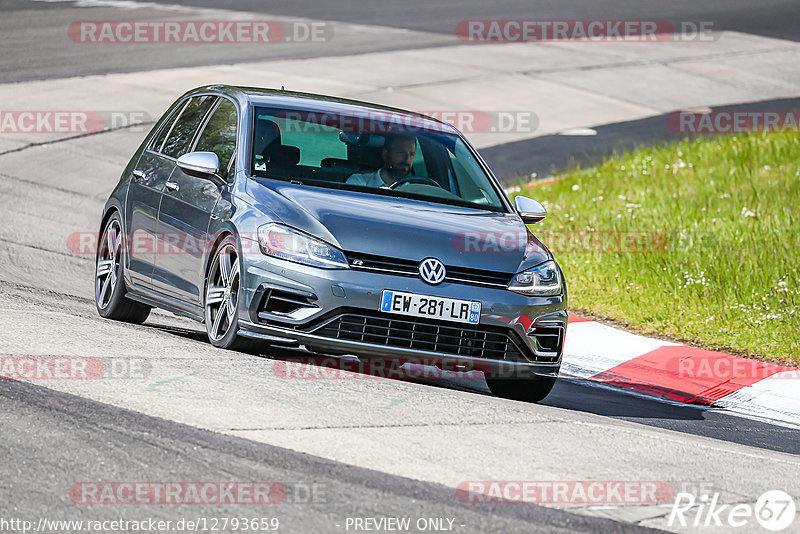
(222, 299)
(522, 389)
(109, 282)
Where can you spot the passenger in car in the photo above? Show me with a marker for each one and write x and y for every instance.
(398, 156)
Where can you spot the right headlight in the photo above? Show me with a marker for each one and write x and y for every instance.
(542, 280)
(280, 241)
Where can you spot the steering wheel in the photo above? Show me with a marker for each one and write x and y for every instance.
(415, 180)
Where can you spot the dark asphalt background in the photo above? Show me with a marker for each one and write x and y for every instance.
(51, 440)
(773, 18)
(35, 45)
(33, 36)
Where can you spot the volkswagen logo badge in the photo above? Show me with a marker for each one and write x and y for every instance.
(432, 271)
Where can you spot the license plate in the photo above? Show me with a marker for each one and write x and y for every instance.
(460, 311)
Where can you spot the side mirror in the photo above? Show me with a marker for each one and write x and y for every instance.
(201, 165)
(530, 210)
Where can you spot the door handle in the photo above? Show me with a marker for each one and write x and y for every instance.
(172, 186)
(138, 175)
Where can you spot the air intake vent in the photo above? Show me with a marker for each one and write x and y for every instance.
(547, 338)
(284, 302)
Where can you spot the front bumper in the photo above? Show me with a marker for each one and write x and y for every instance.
(320, 296)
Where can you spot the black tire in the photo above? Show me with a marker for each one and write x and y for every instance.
(221, 295)
(109, 280)
(522, 389)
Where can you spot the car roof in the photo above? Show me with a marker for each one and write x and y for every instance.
(320, 103)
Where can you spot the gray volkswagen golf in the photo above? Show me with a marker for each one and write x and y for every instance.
(292, 219)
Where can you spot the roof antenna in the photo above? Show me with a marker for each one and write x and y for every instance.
(282, 88)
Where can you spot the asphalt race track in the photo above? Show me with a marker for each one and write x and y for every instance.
(32, 32)
(353, 446)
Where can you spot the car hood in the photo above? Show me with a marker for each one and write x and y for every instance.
(403, 228)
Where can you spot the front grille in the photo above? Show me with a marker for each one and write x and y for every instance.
(402, 267)
(478, 341)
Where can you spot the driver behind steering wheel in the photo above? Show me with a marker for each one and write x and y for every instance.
(398, 156)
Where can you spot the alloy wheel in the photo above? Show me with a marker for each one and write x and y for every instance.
(108, 264)
(222, 293)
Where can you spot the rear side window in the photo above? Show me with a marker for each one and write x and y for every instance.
(219, 134)
(182, 131)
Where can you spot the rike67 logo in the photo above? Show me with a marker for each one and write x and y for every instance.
(774, 510)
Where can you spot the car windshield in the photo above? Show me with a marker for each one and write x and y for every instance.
(382, 153)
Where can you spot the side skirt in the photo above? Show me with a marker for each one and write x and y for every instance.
(165, 302)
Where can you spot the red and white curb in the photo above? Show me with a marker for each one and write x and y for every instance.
(680, 373)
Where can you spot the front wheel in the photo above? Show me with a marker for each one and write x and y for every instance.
(522, 389)
(109, 283)
(222, 298)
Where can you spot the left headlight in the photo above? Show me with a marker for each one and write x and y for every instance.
(542, 280)
(286, 243)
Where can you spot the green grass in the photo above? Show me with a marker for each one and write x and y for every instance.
(719, 222)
